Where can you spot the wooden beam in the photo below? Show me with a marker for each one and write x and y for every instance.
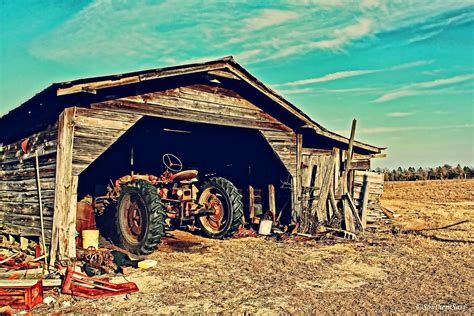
(64, 224)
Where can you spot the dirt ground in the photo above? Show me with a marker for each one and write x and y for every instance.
(384, 271)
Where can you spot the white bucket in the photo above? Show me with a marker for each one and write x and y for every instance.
(265, 227)
(90, 238)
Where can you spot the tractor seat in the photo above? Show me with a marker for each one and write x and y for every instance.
(184, 175)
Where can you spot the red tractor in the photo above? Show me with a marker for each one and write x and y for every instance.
(145, 204)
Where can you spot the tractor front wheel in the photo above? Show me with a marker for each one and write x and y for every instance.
(222, 197)
(139, 218)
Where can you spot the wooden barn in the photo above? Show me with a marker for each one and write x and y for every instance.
(215, 115)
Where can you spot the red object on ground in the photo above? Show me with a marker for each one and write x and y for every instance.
(21, 296)
(79, 284)
(85, 219)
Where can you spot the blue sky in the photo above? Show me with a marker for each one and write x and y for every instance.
(404, 69)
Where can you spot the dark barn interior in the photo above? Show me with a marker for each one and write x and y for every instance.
(241, 155)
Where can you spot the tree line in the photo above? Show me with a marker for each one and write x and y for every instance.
(439, 173)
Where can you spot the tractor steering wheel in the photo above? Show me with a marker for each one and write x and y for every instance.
(172, 162)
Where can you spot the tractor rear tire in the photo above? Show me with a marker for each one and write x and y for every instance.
(232, 218)
(139, 218)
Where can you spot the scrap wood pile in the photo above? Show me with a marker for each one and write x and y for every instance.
(27, 281)
(337, 191)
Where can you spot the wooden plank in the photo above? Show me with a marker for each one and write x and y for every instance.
(62, 227)
(374, 175)
(95, 131)
(296, 182)
(355, 213)
(251, 203)
(188, 115)
(332, 201)
(327, 183)
(360, 164)
(271, 200)
(365, 200)
(71, 219)
(348, 216)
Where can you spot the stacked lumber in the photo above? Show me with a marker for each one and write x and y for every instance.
(373, 182)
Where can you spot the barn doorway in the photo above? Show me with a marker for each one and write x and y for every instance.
(241, 155)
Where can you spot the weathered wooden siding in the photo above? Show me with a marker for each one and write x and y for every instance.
(196, 103)
(319, 174)
(95, 131)
(19, 203)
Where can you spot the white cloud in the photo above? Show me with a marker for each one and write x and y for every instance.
(397, 129)
(353, 73)
(398, 114)
(328, 91)
(330, 77)
(412, 64)
(423, 37)
(424, 88)
(269, 17)
(398, 94)
(442, 82)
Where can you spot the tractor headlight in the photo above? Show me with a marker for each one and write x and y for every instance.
(179, 193)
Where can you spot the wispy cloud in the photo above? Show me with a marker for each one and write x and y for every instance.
(269, 17)
(311, 90)
(330, 77)
(398, 114)
(353, 73)
(199, 28)
(397, 129)
(423, 37)
(423, 88)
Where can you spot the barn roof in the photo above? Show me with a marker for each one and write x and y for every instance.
(46, 105)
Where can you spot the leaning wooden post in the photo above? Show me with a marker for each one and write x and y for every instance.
(40, 201)
(348, 216)
(64, 219)
(345, 185)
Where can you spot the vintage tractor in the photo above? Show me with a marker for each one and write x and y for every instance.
(144, 205)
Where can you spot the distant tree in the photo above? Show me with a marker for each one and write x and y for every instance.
(400, 176)
(443, 172)
(421, 174)
(459, 172)
(431, 174)
(467, 172)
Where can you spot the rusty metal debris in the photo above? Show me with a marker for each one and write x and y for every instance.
(79, 284)
(100, 259)
(245, 232)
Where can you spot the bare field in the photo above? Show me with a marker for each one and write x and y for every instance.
(385, 271)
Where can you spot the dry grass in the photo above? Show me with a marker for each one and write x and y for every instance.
(382, 272)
